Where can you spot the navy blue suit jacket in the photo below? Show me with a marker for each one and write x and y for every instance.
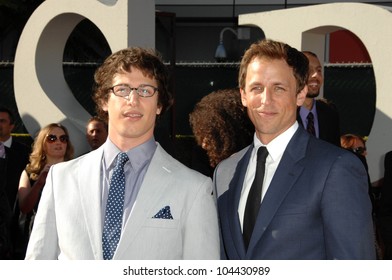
(316, 207)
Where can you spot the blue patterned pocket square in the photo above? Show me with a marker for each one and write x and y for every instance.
(164, 213)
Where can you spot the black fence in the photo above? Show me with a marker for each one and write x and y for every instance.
(351, 88)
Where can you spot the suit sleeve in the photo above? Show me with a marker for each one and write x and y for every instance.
(346, 211)
(43, 243)
(201, 237)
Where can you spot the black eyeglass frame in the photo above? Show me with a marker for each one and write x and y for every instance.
(139, 90)
(51, 138)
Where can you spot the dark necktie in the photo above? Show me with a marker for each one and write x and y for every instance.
(310, 127)
(114, 209)
(254, 196)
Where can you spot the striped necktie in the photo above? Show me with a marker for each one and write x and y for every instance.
(310, 127)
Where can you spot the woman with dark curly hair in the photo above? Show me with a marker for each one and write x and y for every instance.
(221, 125)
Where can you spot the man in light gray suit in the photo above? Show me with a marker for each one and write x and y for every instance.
(168, 210)
(313, 201)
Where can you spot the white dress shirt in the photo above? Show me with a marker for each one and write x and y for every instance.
(275, 149)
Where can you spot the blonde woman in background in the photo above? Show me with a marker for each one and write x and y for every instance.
(51, 146)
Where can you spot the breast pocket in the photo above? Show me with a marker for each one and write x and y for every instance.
(161, 223)
(160, 239)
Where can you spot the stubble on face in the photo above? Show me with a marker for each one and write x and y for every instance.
(316, 79)
(272, 110)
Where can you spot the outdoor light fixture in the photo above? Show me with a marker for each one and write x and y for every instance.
(241, 34)
(220, 53)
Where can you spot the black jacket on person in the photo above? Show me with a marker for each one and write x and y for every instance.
(5, 214)
(17, 157)
(328, 121)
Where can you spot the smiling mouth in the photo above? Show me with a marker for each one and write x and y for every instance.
(133, 115)
(313, 84)
(265, 114)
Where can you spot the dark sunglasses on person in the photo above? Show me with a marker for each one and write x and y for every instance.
(53, 138)
(359, 150)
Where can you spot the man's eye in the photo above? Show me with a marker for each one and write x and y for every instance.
(122, 91)
(279, 89)
(143, 90)
(257, 90)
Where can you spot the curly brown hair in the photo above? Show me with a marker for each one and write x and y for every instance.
(148, 61)
(221, 125)
(38, 156)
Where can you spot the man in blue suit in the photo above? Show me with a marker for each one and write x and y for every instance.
(313, 203)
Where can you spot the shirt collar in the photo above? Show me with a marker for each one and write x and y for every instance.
(8, 142)
(278, 145)
(303, 111)
(138, 156)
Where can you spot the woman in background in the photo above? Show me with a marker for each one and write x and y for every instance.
(221, 127)
(51, 146)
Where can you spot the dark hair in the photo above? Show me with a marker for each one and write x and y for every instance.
(98, 119)
(310, 53)
(269, 49)
(148, 61)
(221, 122)
(9, 112)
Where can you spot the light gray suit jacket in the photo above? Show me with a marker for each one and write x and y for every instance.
(68, 224)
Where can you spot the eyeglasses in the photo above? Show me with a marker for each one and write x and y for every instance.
(125, 90)
(51, 138)
(359, 150)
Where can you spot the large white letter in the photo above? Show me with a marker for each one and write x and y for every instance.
(41, 92)
(305, 28)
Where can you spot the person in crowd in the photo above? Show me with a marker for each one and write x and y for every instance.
(319, 116)
(5, 210)
(128, 199)
(221, 127)
(96, 132)
(16, 157)
(17, 154)
(354, 143)
(357, 145)
(385, 208)
(51, 146)
(289, 195)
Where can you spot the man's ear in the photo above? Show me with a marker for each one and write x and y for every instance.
(159, 109)
(301, 96)
(243, 97)
(104, 105)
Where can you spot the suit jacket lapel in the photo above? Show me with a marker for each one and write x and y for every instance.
(234, 194)
(90, 188)
(152, 189)
(288, 171)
